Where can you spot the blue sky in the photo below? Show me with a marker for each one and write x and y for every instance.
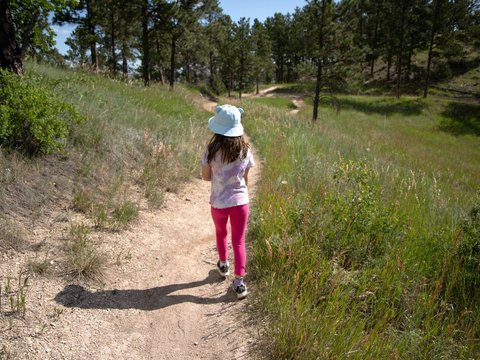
(260, 9)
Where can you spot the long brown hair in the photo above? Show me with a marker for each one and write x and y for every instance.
(231, 148)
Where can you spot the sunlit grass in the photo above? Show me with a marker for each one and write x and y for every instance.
(356, 231)
(131, 131)
(278, 102)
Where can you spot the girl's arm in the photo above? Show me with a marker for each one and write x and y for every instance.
(206, 172)
(245, 176)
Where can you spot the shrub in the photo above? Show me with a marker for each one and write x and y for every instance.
(32, 119)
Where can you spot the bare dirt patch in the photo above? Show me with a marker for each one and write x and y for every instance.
(298, 102)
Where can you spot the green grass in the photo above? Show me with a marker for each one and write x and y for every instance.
(11, 237)
(358, 229)
(278, 102)
(149, 135)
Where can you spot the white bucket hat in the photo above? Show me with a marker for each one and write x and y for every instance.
(227, 121)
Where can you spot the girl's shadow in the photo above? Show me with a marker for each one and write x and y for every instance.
(147, 299)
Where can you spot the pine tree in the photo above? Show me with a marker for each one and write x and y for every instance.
(214, 31)
(84, 14)
(278, 29)
(243, 45)
(228, 59)
(262, 48)
(437, 10)
(333, 49)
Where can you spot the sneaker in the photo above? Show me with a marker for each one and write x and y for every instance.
(223, 270)
(240, 290)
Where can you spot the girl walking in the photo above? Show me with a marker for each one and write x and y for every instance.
(225, 162)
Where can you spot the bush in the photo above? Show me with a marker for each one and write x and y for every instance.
(32, 119)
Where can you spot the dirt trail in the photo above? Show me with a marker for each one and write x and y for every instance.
(163, 300)
(297, 100)
(171, 303)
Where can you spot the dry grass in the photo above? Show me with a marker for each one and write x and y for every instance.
(12, 237)
(84, 260)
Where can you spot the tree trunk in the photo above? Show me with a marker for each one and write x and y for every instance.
(161, 72)
(399, 74)
(281, 71)
(316, 100)
(172, 61)
(240, 87)
(430, 47)
(240, 78)
(212, 70)
(257, 80)
(318, 83)
(124, 63)
(389, 64)
(145, 43)
(91, 32)
(375, 37)
(11, 54)
(411, 48)
(400, 51)
(187, 70)
(112, 41)
(230, 85)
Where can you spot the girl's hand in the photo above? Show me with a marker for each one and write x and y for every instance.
(206, 172)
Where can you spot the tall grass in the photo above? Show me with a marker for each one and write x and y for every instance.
(365, 232)
(148, 136)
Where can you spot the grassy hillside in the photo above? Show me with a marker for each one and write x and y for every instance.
(365, 229)
(130, 136)
(134, 144)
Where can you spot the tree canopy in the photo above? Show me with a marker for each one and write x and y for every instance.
(193, 41)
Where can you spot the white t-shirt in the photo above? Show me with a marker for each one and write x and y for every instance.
(228, 185)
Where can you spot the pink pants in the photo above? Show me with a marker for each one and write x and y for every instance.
(238, 222)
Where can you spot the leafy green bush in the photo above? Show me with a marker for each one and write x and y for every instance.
(32, 119)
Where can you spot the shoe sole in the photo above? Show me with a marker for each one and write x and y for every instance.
(242, 295)
(222, 273)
